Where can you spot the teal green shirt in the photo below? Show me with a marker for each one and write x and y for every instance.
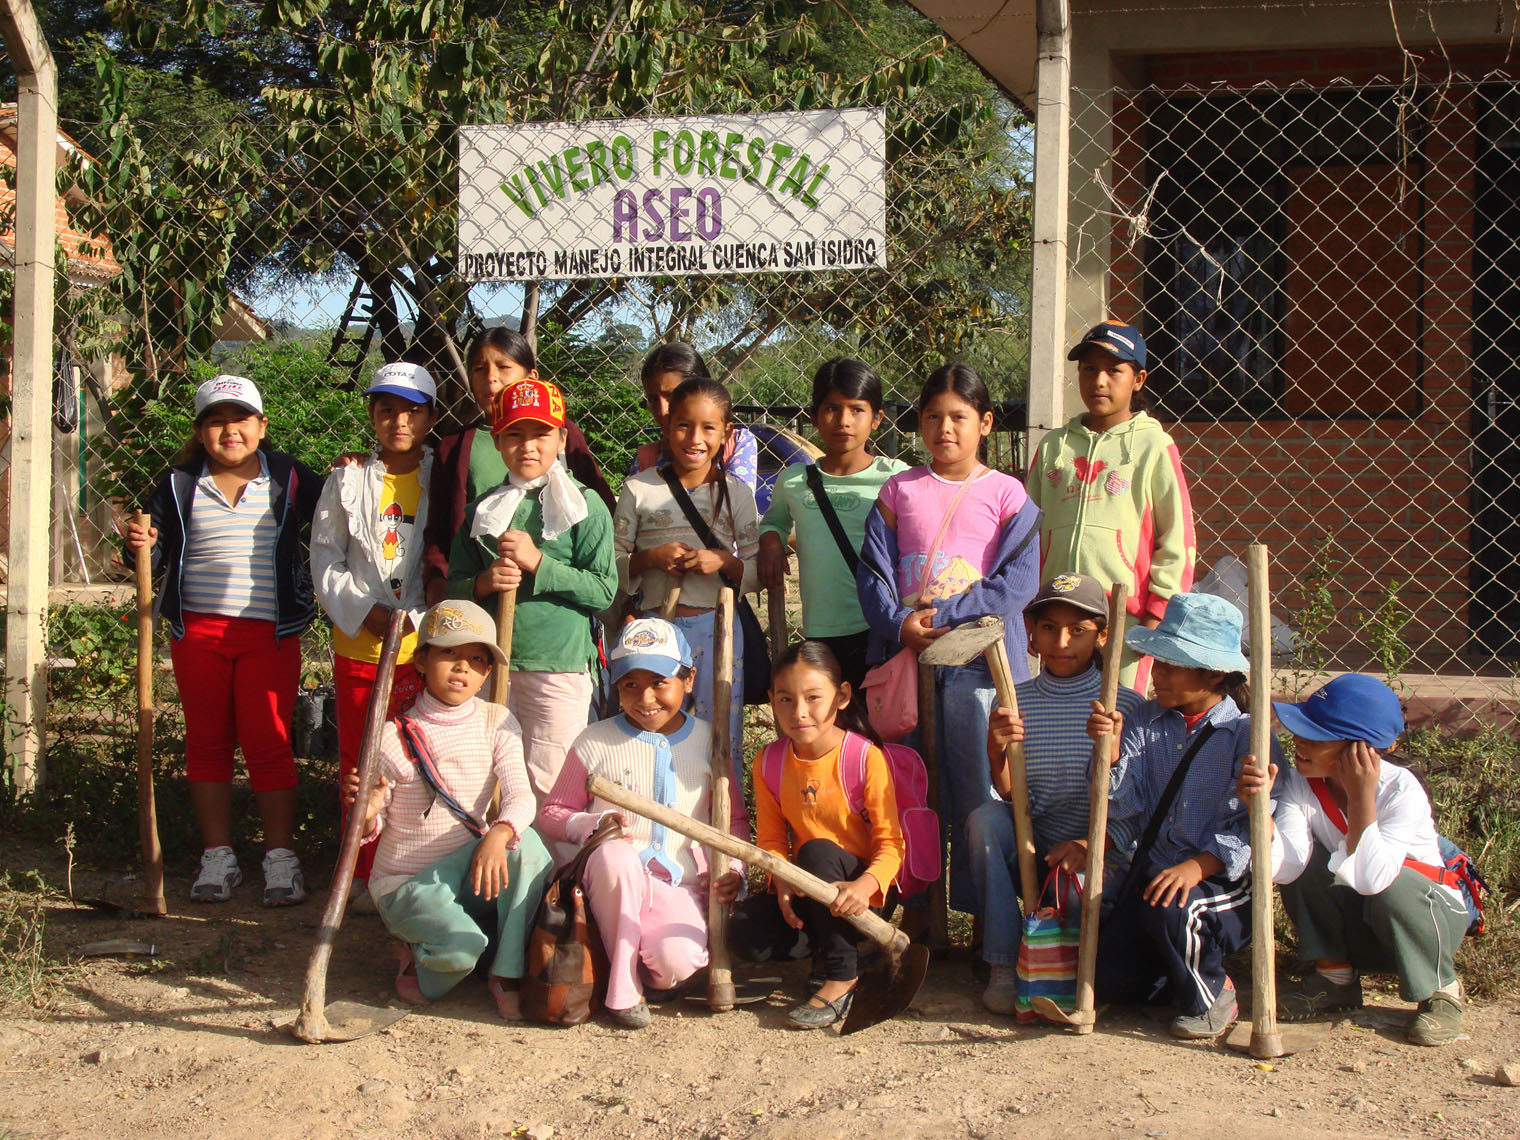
(576, 580)
(830, 605)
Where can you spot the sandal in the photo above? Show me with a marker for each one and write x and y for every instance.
(508, 997)
(408, 988)
(810, 1016)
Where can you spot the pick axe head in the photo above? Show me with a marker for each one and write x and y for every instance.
(888, 984)
(964, 643)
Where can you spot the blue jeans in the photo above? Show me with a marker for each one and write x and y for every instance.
(965, 699)
(993, 848)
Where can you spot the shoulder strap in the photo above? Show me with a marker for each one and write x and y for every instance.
(1163, 805)
(420, 754)
(1328, 805)
(814, 479)
(944, 525)
(852, 769)
(772, 758)
(694, 518)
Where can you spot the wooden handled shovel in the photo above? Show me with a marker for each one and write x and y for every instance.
(720, 974)
(1084, 1017)
(506, 617)
(345, 1020)
(1265, 1039)
(150, 899)
(963, 644)
(885, 987)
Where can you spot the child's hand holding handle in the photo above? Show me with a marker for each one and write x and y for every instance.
(669, 557)
(488, 866)
(854, 897)
(377, 796)
(918, 630)
(518, 547)
(773, 564)
(140, 538)
(1251, 780)
(1070, 856)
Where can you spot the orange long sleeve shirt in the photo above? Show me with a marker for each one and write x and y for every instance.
(811, 801)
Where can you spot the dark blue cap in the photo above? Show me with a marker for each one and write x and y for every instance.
(1123, 340)
(1352, 706)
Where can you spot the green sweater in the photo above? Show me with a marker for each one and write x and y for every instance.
(576, 580)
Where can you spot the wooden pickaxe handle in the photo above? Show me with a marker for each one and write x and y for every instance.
(1018, 779)
(1266, 1041)
(672, 599)
(506, 618)
(720, 974)
(150, 899)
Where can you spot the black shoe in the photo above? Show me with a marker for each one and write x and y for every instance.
(810, 1016)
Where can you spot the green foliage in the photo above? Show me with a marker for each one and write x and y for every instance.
(1384, 628)
(1316, 614)
(26, 975)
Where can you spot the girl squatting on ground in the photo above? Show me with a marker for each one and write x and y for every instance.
(659, 548)
(1356, 851)
(1185, 903)
(448, 884)
(542, 534)
(647, 890)
(804, 813)
(825, 504)
(1110, 486)
(947, 543)
(366, 559)
(228, 532)
(1067, 626)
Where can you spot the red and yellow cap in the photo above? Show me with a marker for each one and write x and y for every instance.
(527, 400)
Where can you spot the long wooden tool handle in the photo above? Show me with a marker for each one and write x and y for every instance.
(876, 929)
(775, 602)
(1018, 779)
(928, 746)
(310, 1024)
(672, 599)
(506, 617)
(150, 899)
(720, 974)
(1265, 1039)
(1097, 819)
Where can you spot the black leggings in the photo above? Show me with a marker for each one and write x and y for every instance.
(758, 933)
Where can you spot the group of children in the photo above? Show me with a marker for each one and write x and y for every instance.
(476, 803)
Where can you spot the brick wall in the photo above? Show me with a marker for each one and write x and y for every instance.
(1394, 491)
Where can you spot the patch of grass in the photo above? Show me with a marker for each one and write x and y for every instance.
(27, 977)
(1474, 783)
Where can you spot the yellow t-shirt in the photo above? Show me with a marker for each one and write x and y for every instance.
(396, 527)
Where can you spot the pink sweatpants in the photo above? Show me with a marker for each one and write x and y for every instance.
(644, 921)
(553, 709)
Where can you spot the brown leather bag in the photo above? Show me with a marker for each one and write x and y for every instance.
(565, 979)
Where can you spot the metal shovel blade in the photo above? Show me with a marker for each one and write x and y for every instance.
(964, 643)
(345, 1021)
(887, 986)
(1293, 1037)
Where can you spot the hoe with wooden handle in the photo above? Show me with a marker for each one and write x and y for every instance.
(720, 974)
(886, 987)
(150, 899)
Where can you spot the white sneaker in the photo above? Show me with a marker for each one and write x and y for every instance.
(219, 874)
(283, 884)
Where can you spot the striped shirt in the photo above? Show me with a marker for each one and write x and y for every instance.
(1058, 751)
(648, 515)
(1206, 817)
(416, 831)
(229, 550)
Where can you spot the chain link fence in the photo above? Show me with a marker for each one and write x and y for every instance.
(1326, 276)
(307, 287)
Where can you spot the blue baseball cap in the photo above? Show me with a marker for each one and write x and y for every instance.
(1352, 706)
(649, 643)
(409, 381)
(1197, 631)
(1123, 340)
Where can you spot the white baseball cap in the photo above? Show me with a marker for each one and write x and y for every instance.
(409, 381)
(649, 643)
(228, 389)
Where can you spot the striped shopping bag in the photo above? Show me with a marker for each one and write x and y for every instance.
(1047, 965)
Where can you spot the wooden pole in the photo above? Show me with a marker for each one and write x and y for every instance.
(1018, 779)
(1266, 1041)
(672, 599)
(928, 745)
(150, 898)
(1097, 821)
(720, 974)
(506, 616)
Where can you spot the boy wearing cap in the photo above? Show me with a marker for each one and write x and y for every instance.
(1357, 853)
(646, 891)
(227, 530)
(1185, 903)
(1067, 626)
(366, 558)
(542, 535)
(447, 883)
(1110, 488)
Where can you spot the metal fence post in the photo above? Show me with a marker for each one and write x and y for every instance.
(31, 428)
(1052, 148)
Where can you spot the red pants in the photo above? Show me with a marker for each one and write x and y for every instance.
(353, 682)
(237, 685)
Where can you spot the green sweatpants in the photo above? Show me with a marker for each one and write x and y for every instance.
(1413, 928)
(449, 926)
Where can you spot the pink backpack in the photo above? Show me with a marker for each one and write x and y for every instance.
(910, 783)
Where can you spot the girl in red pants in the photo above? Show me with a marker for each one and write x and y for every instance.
(227, 532)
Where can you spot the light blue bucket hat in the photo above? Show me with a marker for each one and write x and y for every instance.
(1198, 631)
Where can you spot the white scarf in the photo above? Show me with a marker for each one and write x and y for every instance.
(564, 505)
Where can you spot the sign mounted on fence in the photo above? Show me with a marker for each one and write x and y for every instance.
(774, 193)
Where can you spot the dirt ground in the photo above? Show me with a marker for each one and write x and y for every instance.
(193, 1043)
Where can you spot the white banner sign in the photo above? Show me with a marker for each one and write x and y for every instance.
(774, 193)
